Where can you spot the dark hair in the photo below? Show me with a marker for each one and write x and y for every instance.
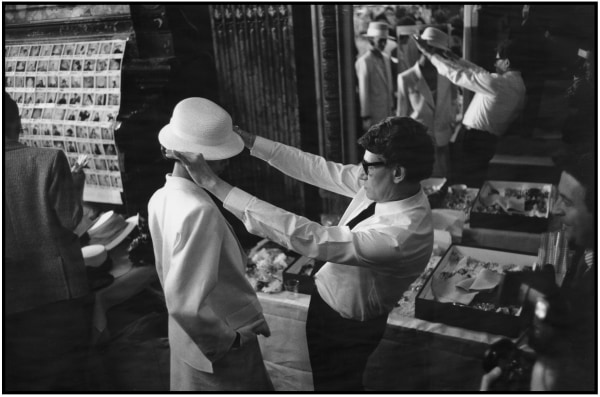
(514, 51)
(406, 21)
(581, 167)
(10, 114)
(402, 141)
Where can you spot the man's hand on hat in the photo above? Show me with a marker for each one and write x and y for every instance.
(247, 137)
(202, 173)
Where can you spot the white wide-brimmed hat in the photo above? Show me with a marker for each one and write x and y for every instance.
(436, 38)
(201, 126)
(94, 255)
(378, 30)
(110, 229)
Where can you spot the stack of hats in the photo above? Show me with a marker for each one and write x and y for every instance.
(97, 265)
(110, 230)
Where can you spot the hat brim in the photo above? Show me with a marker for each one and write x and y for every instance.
(230, 148)
(131, 224)
(379, 36)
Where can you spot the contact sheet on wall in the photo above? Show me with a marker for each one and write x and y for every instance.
(69, 96)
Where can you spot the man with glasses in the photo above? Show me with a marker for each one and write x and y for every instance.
(498, 101)
(382, 243)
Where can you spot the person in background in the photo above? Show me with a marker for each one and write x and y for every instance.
(214, 314)
(47, 310)
(407, 52)
(498, 101)
(430, 98)
(573, 365)
(382, 243)
(374, 73)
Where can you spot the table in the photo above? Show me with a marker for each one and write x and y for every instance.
(414, 354)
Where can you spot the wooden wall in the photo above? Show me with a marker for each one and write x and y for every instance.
(256, 65)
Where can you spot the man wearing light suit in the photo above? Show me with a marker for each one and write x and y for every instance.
(426, 96)
(374, 73)
(214, 314)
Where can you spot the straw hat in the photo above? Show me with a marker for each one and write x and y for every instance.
(110, 229)
(94, 255)
(436, 38)
(378, 30)
(201, 126)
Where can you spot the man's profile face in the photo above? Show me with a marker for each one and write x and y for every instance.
(379, 180)
(570, 206)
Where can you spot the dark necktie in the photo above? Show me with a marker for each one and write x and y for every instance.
(367, 212)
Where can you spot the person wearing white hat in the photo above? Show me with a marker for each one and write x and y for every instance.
(214, 313)
(428, 97)
(498, 101)
(381, 245)
(407, 51)
(374, 74)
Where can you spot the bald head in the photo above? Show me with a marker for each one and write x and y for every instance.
(12, 121)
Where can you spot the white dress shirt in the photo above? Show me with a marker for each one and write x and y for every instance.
(498, 100)
(368, 267)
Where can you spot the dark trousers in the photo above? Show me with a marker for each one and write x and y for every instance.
(339, 348)
(45, 349)
(470, 157)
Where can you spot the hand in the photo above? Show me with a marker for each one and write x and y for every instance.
(258, 327)
(78, 180)
(196, 166)
(202, 173)
(488, 379)
(247, 137)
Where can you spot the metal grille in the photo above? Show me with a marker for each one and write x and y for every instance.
(255, 62)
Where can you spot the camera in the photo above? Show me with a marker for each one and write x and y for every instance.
(545, 317)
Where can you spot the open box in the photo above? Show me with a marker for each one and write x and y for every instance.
(302, 269)
(532, 217)
(431, 308)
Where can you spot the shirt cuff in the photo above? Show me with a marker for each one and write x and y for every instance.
(262, 148)
(237, 201)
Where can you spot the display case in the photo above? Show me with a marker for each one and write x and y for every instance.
(516, 206)
(466, 290)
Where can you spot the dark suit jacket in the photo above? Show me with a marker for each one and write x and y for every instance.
(42, 259)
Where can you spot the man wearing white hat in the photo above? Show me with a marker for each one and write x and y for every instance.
(374, 74)
(499, 99)
(430, 98)
(214, 314)
(407, 51)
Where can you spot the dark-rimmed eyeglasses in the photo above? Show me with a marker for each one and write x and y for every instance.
(366, 165)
